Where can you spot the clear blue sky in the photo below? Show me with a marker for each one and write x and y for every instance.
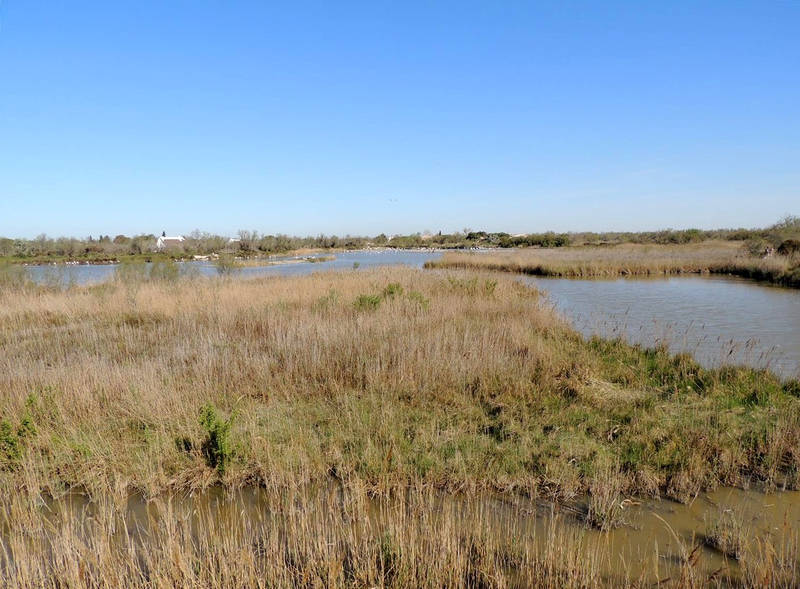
(368, 117)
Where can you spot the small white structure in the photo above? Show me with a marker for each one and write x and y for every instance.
(163, 243)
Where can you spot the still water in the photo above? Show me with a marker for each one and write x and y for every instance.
(717, 319)
(278, 266)
(655, 541)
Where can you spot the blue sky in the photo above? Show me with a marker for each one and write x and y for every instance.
(397, 117)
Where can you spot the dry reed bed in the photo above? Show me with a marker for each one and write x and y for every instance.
(459, 381)
(292, 541)
(341, 537)
(631, 260)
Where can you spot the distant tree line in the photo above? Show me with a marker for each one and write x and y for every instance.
(75, 248)
(784, 236)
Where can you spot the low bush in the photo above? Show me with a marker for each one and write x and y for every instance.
(789, 247)
(367, 302)
(392, 290)
(217, 446)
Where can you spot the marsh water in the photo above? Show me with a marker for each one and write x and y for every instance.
(718, 319)
(654, 542)
(273, 266)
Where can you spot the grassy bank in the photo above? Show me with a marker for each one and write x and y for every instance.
(392, 377)
(632, 260)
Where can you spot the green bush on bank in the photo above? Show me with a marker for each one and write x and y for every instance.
(217, 446)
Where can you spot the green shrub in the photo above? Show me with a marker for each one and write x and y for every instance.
(10, 446)
(392, 290)
(27, 427)
(421, 301)
(217, 447)
(12, 440)
(366, 302)
(328, 301)
(165, 270)
(756, 246)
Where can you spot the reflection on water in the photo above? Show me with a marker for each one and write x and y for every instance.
(717, 319)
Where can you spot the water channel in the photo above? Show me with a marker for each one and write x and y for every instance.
(658, 539)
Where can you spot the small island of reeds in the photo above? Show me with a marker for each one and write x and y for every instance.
(711, 257)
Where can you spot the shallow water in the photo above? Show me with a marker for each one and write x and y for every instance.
(655, 540)
(276, 266)
(718, 319)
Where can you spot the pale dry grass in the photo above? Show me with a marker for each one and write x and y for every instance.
(392, 376)
(717, 257)
(340, 536)
(115, 373)
(318, 538)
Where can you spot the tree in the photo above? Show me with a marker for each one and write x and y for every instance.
(66, 246)
(247, 240)
(41, 243)
(787, 228)
(139, 244)
(6, 246)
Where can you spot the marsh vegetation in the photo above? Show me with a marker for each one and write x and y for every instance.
(340, 535)
(711, 257)
(381, 380)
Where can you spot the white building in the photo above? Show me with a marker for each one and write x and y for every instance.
(164, 243)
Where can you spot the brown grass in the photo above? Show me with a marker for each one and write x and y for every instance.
(340, 536)
(394, 376)
(715, 257)
(384, 380)
(324, 539)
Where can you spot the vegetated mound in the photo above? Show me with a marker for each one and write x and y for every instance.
(391, 377)
(789, 247)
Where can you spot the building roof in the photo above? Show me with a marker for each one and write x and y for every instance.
(164, 241)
